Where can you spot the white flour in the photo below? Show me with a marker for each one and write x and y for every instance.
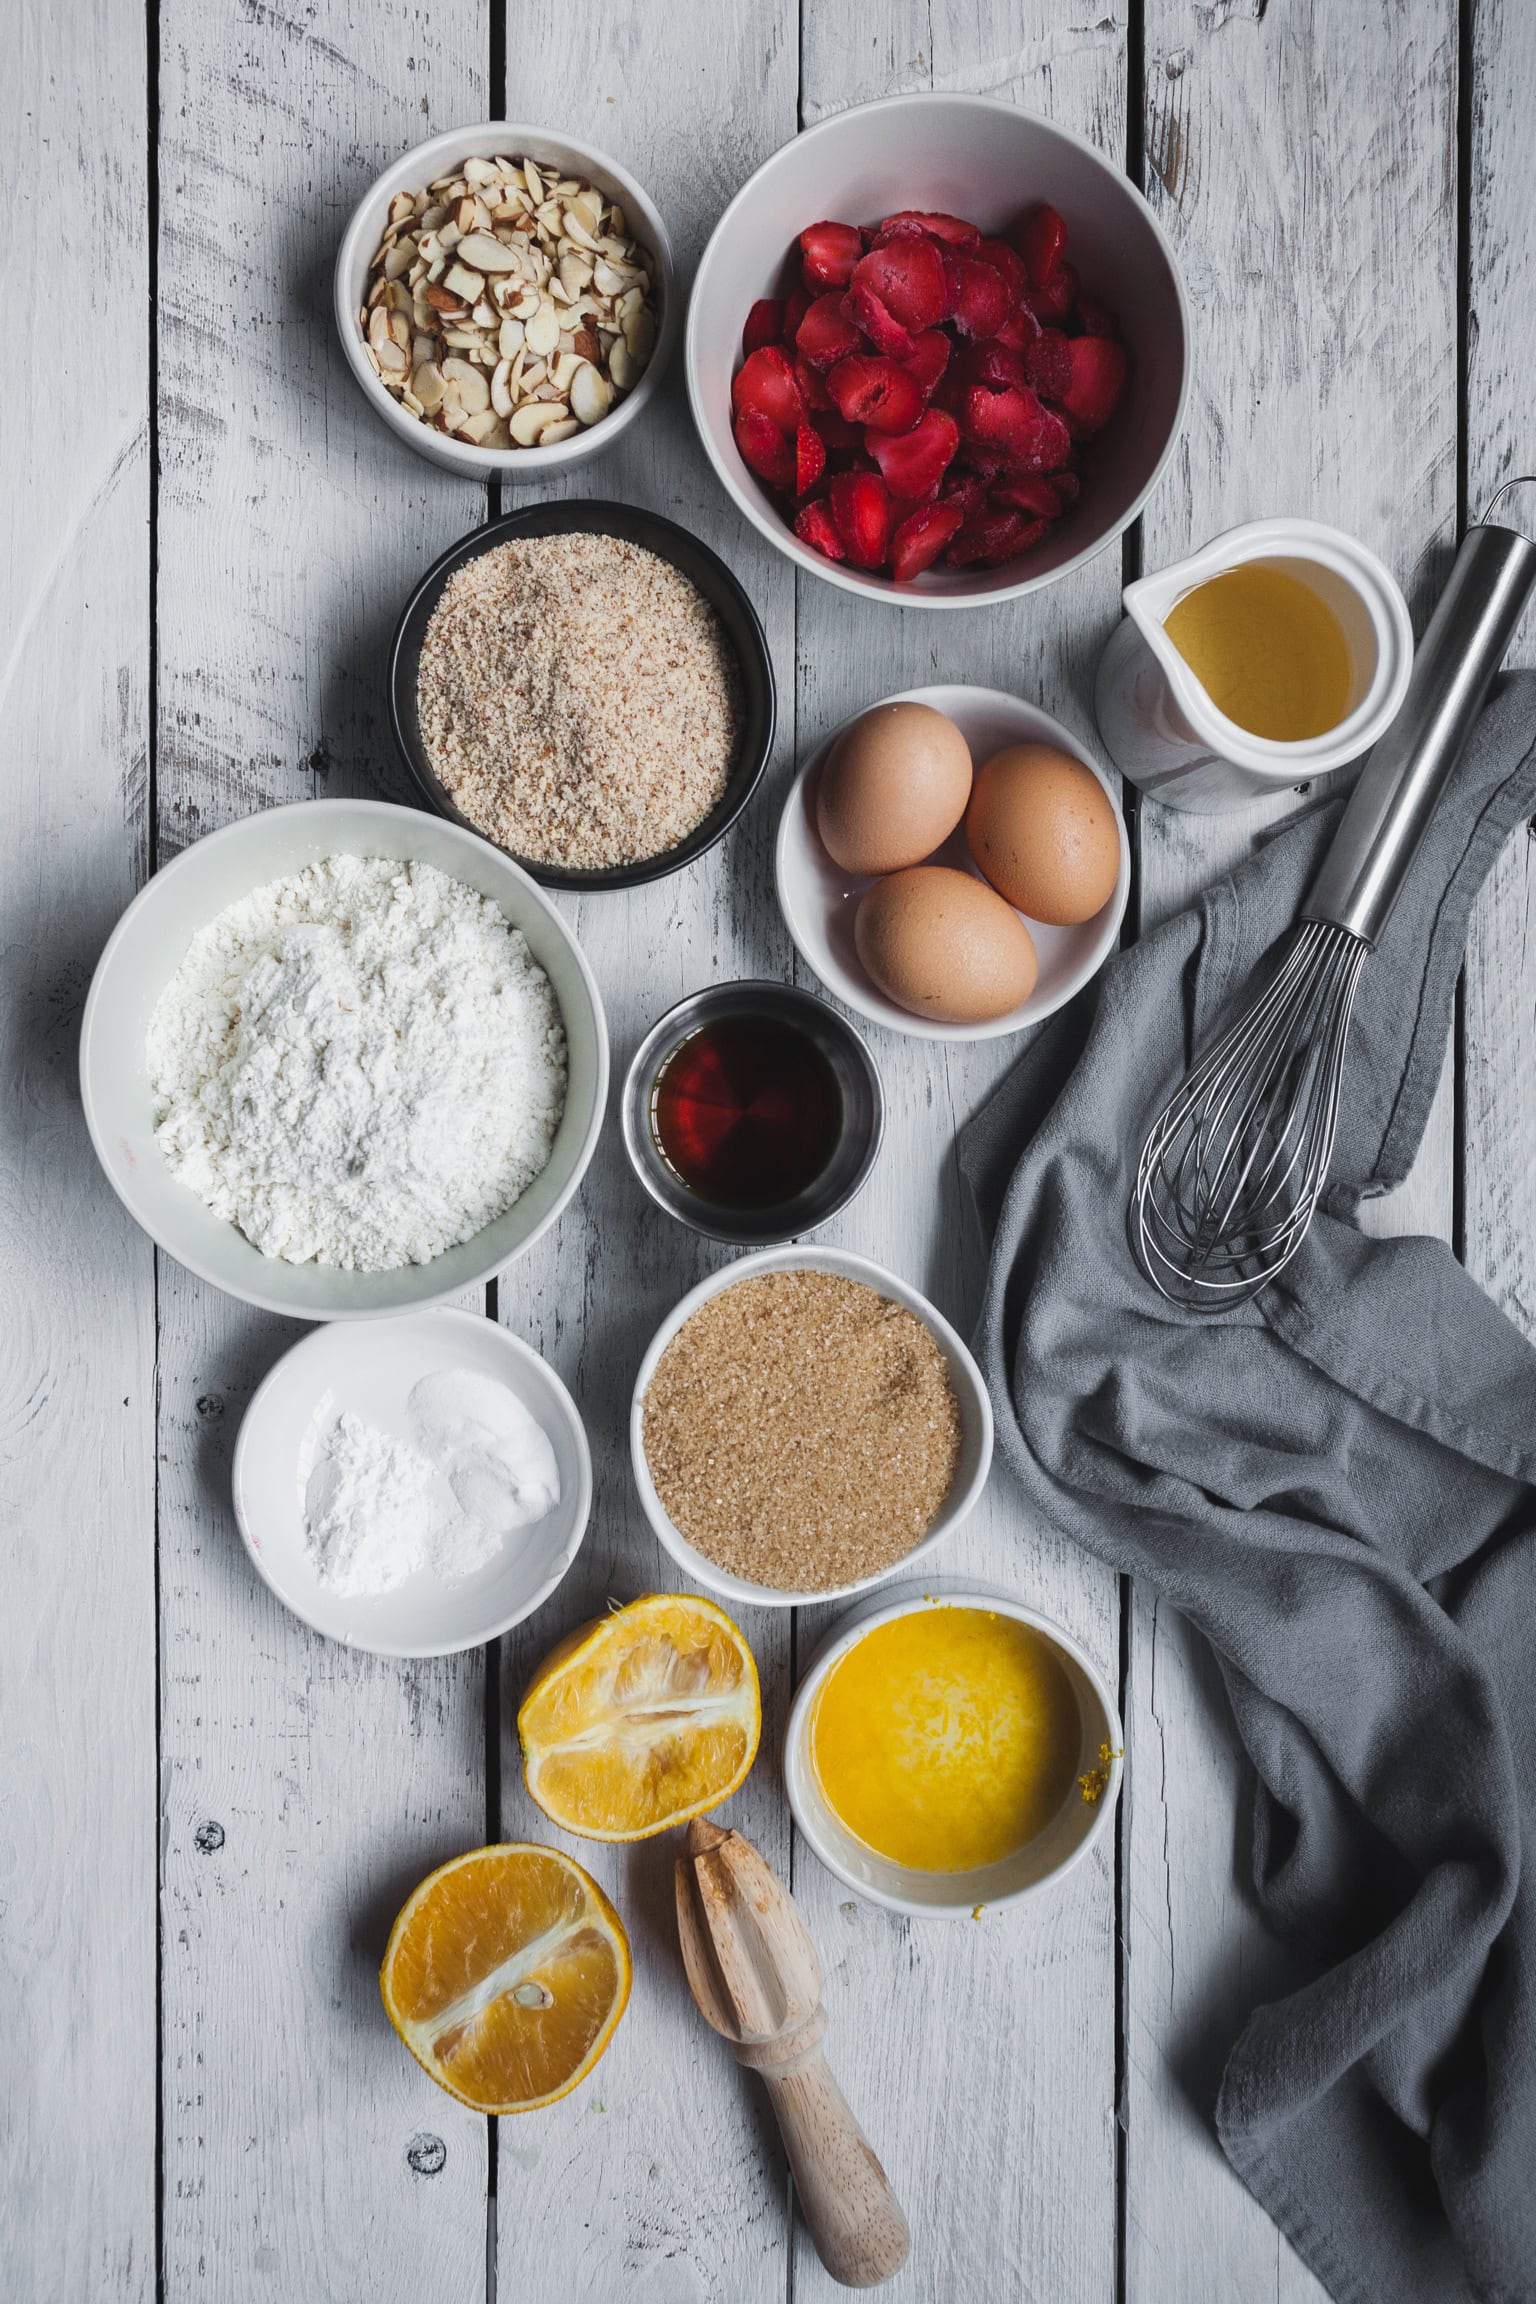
(360, 1065)
(378, 1509)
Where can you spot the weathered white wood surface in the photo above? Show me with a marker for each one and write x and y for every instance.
(289, 533)
(1009, 2182)
(1305, 163)
(663, 2179)
(1499, 1058)
(77, 1335)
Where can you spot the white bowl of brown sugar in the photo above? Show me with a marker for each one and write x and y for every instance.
(804, 1426)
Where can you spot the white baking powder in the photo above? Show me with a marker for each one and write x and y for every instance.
(378, 1508)
(360, 1065)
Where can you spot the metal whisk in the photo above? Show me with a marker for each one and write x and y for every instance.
(1231, 1174)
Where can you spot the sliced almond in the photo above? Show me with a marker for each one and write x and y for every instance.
(468, 286)
(452, 307)
(510, 339)
(477, 427)
(640, 334)
(469, 383)
(479, 171)
(623, 367)
(486, 253)
(585, 344)
(553, 434)
(575, 227)
(501, 398)
(402, 206)
(392, 360)
(534, 182)
(591, 395)
(529, 424)
(427, 384)
(543, 330)
(561, 369)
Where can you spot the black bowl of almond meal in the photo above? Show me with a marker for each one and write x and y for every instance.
(588, 687)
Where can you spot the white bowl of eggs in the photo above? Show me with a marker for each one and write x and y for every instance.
(953, 864)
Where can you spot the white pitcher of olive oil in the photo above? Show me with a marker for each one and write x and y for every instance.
(1274, 656)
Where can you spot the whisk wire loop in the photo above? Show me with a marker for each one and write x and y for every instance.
(1230, 1174)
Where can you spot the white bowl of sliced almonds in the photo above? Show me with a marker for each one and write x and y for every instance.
(506, 300)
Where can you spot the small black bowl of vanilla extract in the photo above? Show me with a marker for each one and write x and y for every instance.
(753, 1112)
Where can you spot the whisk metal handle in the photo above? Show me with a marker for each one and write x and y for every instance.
(1390, 807)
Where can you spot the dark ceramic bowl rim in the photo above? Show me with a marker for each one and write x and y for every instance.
(667, 1033)
(581, 515)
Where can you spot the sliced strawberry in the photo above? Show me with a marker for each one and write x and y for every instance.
(928, 361)
(1067, 485)
(908, 277)
(1095, 319)
(814, 525)
(1029, 492)
(913, 463)
(967, 490)
(978, 301)
(867, 312)
(994, 365)
(810, 459)
(826, 335)
(1055, 298)
(1019, 330)
(1003, 260)
(765, 381)
(836, 432)
(764, 447)
(830, 252)
(908, 222)
(796, 305)
(986, 538)
(1015, 426)
(765, 324)
(875, 391)
(1097, 380)
(1042, 242)
(813, 388)
(921, 537)
(861, 506)
(1048, 363)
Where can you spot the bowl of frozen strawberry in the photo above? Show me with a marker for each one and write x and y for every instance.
(938, 350)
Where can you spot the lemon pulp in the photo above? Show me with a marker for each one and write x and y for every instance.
(946, 1738)
(1268, 651)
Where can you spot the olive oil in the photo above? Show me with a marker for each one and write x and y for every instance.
(1268, 651)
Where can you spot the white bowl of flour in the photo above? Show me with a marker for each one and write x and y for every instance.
(413, 1487)
(417, 1078)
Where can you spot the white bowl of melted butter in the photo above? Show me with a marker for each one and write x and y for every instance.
(951, 1750)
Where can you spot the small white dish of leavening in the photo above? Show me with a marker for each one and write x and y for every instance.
(412, 1486)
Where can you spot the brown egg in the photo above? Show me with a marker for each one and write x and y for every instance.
(1044, 831)
(893, 788)
(941, 944)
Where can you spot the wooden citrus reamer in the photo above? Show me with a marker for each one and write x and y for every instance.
(753, 1970)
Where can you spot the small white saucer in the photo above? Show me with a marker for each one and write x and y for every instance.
(818, 899)
(370, 1368)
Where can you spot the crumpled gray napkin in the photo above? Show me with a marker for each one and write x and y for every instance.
(1335, 1483)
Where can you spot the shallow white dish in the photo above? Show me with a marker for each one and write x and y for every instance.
(970, 1394)
(492, 140)
(818, 899)
(145, 950)
(1066, 1840)
(371, 1371)
(986, 160)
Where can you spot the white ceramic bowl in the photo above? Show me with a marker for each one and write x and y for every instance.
(818, 899)
(493, 140)
(1066, 1840)
(371, 1371)
(976, 157)
(970, 1394)
(145, 950)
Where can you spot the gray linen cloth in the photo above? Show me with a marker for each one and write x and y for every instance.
(1335, 1484)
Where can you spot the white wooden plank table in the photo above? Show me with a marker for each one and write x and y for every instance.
(209, 1816)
